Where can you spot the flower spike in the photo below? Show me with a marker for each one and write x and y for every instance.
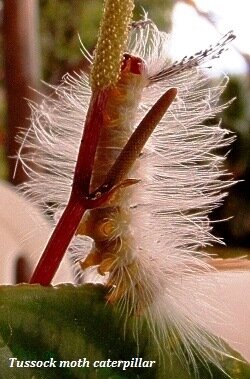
(111, 43)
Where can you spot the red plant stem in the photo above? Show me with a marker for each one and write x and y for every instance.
(78, 202)
(89, 142)
(58, 243)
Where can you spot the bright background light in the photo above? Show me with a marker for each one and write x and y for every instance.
(192, 32)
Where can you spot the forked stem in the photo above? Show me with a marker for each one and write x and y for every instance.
(68, 223)
(80, 199)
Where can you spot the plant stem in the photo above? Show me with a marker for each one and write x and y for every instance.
(58, 243)
(138, 139)
(89, 142)
(78, 203)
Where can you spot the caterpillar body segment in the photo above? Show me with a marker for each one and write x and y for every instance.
(119, 116)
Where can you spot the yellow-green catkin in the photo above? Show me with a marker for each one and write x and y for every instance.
(111, 43)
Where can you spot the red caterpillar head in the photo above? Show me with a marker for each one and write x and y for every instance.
(134, 65)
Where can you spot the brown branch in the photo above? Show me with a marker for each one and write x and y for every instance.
(22, 71)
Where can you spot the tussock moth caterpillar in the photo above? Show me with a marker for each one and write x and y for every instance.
(145, 239)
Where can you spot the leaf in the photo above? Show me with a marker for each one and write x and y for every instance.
(69, 323)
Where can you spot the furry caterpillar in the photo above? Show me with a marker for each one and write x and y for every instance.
(147, 241)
